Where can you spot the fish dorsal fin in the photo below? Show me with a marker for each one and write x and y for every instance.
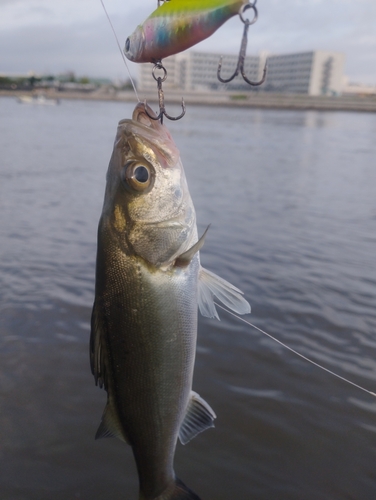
(198, 418)
(185, 258)
(210, 285)
(110, 426)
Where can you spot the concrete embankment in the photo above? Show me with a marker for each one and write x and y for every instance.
(244, 100)
(273, 101)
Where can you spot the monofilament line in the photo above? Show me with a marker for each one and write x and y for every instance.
(121, 52)
(297, 353)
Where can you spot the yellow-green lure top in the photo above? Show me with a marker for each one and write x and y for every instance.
(177, 25)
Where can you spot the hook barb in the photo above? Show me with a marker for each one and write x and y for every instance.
(162, 109)
(243, 49)
(162, 112)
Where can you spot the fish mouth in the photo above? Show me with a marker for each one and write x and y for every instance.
(141, 131)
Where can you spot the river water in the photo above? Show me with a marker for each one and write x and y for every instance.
(291, 198)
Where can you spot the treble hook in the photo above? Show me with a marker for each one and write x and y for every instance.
(243, 48)
(162, 109)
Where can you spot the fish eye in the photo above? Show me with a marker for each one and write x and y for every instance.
(127, 44)
(141, 174)
(138, 176)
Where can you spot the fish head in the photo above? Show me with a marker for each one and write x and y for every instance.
(147, 204)
(134, 45)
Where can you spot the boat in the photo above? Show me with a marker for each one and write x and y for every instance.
(37, 99)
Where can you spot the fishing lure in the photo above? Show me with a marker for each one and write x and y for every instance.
(176, 26)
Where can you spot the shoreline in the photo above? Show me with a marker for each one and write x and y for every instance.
(261, 100)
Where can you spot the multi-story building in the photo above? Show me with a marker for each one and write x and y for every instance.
(312, 73)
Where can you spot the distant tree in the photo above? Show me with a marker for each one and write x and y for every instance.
(32, 81)
(5, 82)
(127, 85)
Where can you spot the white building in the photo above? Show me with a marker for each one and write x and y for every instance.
(192, 71)
(312, 73)
(350, 88)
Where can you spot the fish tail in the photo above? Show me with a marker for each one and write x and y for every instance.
(176, 491)
(182, 492)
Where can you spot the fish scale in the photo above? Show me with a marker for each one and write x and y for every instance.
(149, 285)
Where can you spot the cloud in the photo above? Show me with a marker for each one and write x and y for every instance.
(51, 35)
(85, 49)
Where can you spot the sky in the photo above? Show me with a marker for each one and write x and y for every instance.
(56, 36)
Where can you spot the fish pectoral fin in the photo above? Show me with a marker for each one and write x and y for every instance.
(198, 418)
(209, 286)
(110, 425)
(185, 258)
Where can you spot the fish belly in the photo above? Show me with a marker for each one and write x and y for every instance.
(151, 342)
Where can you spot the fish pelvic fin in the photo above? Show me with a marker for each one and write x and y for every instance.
(176, 491)
(209, 286)
(110, 425)
(198, 418)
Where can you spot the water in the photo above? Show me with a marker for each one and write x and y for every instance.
(291, 197)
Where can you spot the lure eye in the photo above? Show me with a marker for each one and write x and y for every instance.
(127, 44)
(138, 176)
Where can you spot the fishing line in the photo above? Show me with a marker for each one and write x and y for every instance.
(121, 52)
(297, 353)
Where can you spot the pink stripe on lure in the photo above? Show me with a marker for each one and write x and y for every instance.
(177, 25)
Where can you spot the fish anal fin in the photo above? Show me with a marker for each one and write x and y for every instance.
(198, 418)
(209, 286)
(110, 425)
(185, 258)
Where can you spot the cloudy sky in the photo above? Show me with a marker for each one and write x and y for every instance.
(54, 36)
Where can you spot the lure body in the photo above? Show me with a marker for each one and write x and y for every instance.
(178, 25)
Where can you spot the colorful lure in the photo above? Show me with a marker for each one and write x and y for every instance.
(177, 25)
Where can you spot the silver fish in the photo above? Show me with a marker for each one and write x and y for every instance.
(149, 285)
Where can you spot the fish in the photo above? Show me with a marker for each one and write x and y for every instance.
(149, 286)
(178, 25)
